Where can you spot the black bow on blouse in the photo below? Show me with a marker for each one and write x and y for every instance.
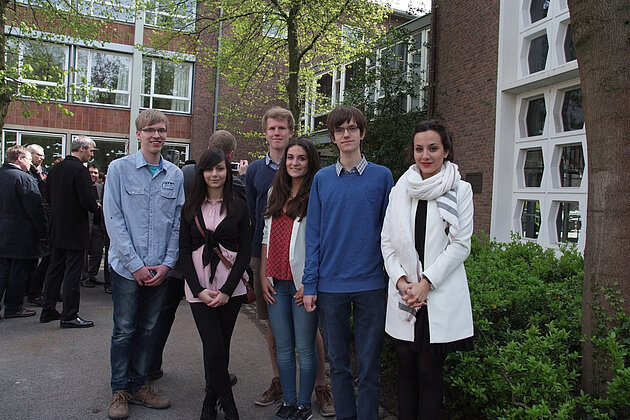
(209, 256)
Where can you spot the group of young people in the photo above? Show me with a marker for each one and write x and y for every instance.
(322, 244)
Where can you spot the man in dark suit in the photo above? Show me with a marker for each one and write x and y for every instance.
(22, 229)
(70, 197)
(97, 235)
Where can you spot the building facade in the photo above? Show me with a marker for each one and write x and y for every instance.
(506, 83)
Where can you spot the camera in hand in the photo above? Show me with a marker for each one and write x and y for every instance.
(235, 166)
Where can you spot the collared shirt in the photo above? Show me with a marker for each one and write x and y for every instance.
(269, 162)
(142, 213)
(359, 167)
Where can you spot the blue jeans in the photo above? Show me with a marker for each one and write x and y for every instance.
(368, 312)
(294, 328)
(136, 310)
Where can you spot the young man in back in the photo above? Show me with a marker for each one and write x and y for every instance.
(344, 273)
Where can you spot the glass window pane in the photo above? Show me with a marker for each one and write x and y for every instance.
(175, 153)
(106, 151)
(534, 167)
(537, 57)
(572, 111)
(538, 10)
(52, 146)
(569, 51)
(530, 219)
(568, 222)
(536, 114)
(46, 62)
(9, 140)
(169, 79)
(572, 166)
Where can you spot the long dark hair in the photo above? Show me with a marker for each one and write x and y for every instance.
(199, 190)
(281, 186)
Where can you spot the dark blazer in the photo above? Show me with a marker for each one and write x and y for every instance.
(22, 216)
(70, 196)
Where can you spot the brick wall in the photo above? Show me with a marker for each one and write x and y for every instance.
(87, 119)
(465, 93)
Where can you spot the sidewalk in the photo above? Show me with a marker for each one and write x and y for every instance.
(49, 373)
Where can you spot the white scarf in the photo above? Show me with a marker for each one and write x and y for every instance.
(411, 185)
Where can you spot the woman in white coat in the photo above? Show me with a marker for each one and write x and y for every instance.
(282, 261)
(425, 240)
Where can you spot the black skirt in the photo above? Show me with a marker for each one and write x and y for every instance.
(421, 341)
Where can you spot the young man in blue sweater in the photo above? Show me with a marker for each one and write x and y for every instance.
(344, 266)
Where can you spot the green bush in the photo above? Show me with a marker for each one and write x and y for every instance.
(527, 358)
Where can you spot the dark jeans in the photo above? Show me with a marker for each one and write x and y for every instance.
(368, 312)
(136, 310)
(65, 266)
(215, 326)
(13, 274)
(172, 297)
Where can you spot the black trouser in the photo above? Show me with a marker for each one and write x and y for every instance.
(65, 266)
(420, 384)
(94, 254)
(215, 326)
(37, 277)
(159, 335)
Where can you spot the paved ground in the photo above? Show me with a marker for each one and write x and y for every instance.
(50, 373)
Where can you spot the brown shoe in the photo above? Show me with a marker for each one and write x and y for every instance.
(22, 313)
(273, 394)
(325, 400)
(148, 397)
(118, 408)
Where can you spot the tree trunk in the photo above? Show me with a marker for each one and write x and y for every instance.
(601, 36)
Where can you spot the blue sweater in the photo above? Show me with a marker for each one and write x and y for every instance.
(258, 179)
(343, 231)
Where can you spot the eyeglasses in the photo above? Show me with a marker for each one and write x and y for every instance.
(350, 129)
(154, 130)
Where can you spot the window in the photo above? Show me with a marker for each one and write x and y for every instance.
(107, 76)
(274, 27)
(534, 167)
(106, 150)
(536, 115)
(53, 144)
(571, 166)
(537, 56)
(538, 10)
(572, 111)
(120, 10)
(176, 15)
(530, 219)
(176, 153)
(166, 85)
(568, 222)
(569, 51)
(36, 65)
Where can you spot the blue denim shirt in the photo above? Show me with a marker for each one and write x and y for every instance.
(142, 213)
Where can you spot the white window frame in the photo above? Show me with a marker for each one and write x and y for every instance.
(152, 95)
(20, 133)
(20, 44)
(88, 73)
(151, 16)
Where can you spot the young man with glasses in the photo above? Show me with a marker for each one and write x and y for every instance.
(143, 198)
(343, 273)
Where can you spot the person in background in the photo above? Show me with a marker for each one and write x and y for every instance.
(425, 240)
(94, 253)
(69, 194)
(22, 229)
(215, 248)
